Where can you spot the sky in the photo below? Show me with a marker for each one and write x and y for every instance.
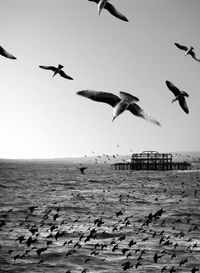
(43, 117)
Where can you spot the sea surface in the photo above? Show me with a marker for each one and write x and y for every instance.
(53, 218)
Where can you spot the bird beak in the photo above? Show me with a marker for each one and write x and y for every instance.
(113, 118)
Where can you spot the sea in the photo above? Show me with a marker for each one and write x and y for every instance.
(56, 219)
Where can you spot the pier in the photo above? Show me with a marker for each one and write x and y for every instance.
(151, 160)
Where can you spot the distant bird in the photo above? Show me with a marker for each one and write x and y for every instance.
(57, 70)
(82, 169)
(179, 95)
(126, 265)
(6, 54)
(109, 7)
(194, 270)
(188, 51)
(126, 102)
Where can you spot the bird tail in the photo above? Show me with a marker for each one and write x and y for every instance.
(151, 119)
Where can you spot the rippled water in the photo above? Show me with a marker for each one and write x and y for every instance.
(78, 216)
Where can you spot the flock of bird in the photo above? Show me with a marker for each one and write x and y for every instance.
(126, 101)
(40, 237)
(125, 225)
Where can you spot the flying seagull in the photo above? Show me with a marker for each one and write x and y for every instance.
(109, 7)
(188, 51)
(6, 54)
(179, 95)
(57, 70)
(125, 102)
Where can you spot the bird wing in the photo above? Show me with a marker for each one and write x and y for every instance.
(173, 88)
(183, 105)
(115, 12)
(182, 47)
(96, 1)
(99, 96)
(64, 75)
(137, 111)
(192, 53)
(53, 68)
(128, 97)
(6, 54)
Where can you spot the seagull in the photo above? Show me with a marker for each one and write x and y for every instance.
(179, 95)
(125, 102)
(6, 54)
(188, 51)
(104, 4)
(56, 70)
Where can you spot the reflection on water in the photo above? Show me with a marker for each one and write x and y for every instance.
(54, 219)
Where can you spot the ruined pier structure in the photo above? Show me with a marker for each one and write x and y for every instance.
(151, 160)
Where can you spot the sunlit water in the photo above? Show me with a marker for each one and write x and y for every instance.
(77, 216)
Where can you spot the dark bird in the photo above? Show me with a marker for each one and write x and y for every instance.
(188, 51)
(126, 265)
(163, 268)
(40, 261)
(32, 208)
(172, 269)
(82, 169)
(156, 257)
(57, 70)
(6, 54)
(103, 4)
(118, 213)
(40, 250)
(30, 241)
(194, 270)
(126, 102)
(131, 243)
(179, 95)
(138, 264)
(183, 261)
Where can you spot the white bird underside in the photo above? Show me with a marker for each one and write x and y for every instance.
(126, 102)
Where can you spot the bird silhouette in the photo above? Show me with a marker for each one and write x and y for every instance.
(188, 51)
(126, 102)
(6, 54)
(82, 169)
(57, 70)
(109, 7)
(179, 95)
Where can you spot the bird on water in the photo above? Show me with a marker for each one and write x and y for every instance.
(125, 102)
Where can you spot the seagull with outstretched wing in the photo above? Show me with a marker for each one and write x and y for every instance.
(188, 51)
(179, 95)
(57, 70)
(104, 4)
(125, 102)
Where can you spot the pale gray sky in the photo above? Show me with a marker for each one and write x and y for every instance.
(42, 117)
